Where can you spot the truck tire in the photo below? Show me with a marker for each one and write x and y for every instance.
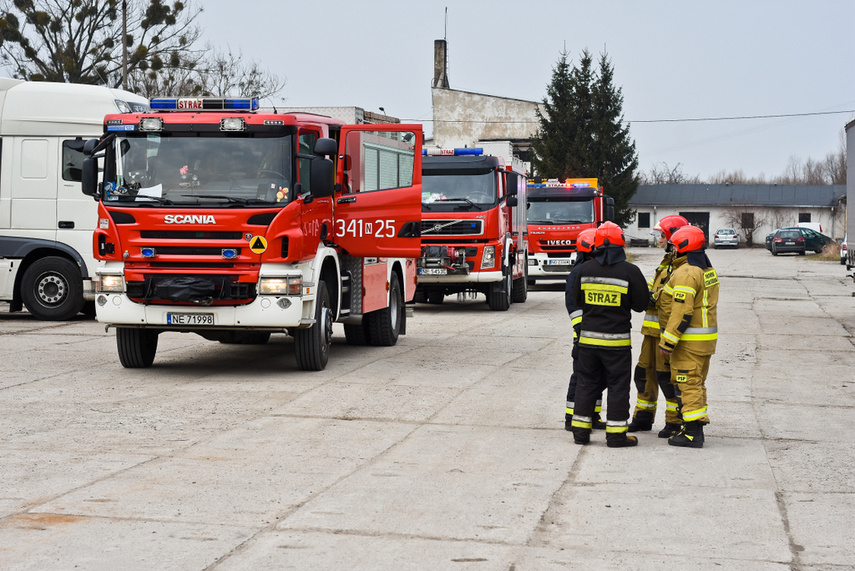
(520, 291)
(357, 334)
(52, 289)
(499, 298)
(136, 347)
(384, 325)
(312, 345)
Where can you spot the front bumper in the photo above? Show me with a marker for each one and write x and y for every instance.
(471, 277)
(543, 267)
(269, 312)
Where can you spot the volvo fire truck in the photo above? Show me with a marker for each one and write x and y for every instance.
(233, 223)
(473, 229)
(557, 212)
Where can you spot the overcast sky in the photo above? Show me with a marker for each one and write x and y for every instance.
(687, 59)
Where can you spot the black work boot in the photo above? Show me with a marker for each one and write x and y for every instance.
(692, 436)
(581, 435)
(670, 429)
(620, 440)
(597, 422)
(642, 422)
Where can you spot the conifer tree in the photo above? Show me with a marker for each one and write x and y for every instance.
(582, 134)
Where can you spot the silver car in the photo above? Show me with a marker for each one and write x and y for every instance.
(725, 237)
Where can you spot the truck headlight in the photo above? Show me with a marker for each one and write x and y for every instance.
(281, 286)
(488, 260)
(110, 284)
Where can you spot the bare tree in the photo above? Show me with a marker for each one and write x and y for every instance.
(217, 74)
(746, 219)
(667, 175)
(80, 41)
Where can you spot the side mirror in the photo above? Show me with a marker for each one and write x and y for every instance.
(325, 147)
(511, 182)
(89, 177)
(512, 201)
(89, 147)
(322, 175)
(610, 208)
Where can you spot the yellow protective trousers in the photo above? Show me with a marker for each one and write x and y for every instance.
(655, 368)
(689, 374)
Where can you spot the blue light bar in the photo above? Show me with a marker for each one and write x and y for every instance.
(204, 104)
(475, 151)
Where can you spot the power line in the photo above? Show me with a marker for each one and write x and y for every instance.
(740, 117)
(685, 120)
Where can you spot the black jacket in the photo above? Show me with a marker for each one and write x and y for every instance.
(609, 289)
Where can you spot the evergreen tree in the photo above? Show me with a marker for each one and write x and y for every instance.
(557, 124)
(613, 150)
(582, 134)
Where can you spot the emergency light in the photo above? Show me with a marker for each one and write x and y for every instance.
(205, 104)
(476, 151)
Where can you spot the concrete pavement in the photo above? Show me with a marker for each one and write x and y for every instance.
(446, 451)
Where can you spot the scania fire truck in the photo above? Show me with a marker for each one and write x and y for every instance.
(473, 229)
(557, 212)
(233, 223)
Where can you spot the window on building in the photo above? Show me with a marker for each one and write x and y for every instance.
(804, 216)
(644, 220)
(748, 220)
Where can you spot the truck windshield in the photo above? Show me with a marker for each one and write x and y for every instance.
(557, 211)
(466, 191)
(203, 170)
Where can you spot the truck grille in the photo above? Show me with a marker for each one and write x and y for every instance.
(452, 228)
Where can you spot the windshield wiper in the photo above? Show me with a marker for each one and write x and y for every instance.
(159, 199)
(466, 200)
(567, 221)
(231, 199)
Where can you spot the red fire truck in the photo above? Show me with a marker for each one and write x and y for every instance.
(557, 212)
(473, 229)
(229, 222)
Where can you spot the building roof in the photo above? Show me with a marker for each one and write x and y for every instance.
(805, 196)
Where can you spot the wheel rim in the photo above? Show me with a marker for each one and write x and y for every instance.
(394, 309)
(51, 289)
(326, 328)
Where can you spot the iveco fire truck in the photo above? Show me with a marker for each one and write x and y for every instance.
(233, 223)
(473, 229)
(557, 212)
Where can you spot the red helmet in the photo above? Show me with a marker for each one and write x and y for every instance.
(585, 240)
(669, 224)
(609, 234)
(688, 239)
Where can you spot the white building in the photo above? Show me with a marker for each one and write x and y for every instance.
(743, 207)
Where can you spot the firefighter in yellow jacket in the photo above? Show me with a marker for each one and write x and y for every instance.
(689, 335)
(652, 371)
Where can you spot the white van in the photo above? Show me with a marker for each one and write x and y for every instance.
(46, 222)
(816, 226)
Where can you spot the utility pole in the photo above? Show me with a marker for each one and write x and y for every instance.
(124, 44)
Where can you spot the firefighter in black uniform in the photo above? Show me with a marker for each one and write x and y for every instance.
(608, 289)
(584, 252)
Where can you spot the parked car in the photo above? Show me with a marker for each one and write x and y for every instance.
(843, 250)
(769, 237)
(725, 237)
(787, 240)
(814, 240)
